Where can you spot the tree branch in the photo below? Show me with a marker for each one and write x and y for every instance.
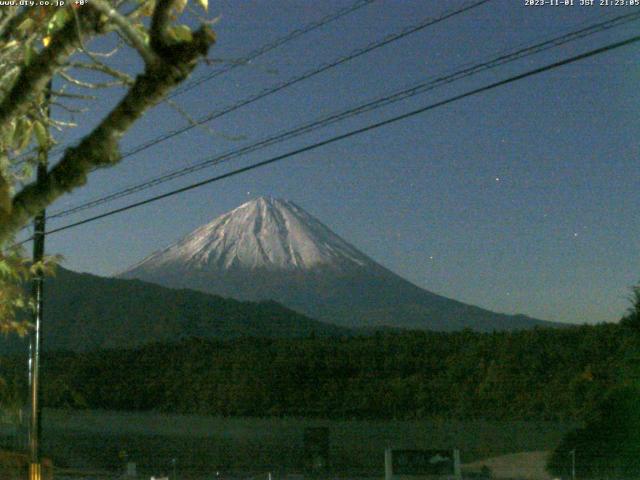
(14, 18)
(92, 85)
(34, 78)
(100, 147)
(159, 23)
(126, 30)
(101, 67)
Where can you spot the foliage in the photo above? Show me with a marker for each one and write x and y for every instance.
(46, 70)
(632, 318)
(544, 374)
(609, 445)
(13, 271)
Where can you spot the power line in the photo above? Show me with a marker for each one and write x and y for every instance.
(271, 46)
(356, 53)
(251, 56)
(311, 73)
(358, 131)
(305, 76)
(366, 107)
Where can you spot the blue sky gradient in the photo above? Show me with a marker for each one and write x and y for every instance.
(520, 200)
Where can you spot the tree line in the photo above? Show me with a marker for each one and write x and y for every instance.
(547, 374)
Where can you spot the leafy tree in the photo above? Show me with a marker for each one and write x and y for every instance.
(351, 377)
(45, 61)
(632, 318)
(609, 445)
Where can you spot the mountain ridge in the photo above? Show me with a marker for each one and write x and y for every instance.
(271, 248)
(85, 312)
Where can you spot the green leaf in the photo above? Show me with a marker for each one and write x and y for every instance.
(8, 132)
(26, 172)
(29, 54)
(9, 45)
(42, 136)
(148, 6)
(181, 33)
(22, 135)
(143, 32)
(26, 26)
(4, 162)
(5, 269)
(58, 20)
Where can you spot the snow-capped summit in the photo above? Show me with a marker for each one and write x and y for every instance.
(271, 249)
(264, 233)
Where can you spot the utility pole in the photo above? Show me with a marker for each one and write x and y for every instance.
(573, 464)
(35, 340)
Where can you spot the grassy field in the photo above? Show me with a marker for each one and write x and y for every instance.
(200, 444)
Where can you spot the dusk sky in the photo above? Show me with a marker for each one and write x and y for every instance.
(523, 199)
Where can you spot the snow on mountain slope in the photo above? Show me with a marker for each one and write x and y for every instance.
(265, 233)
(271, 249)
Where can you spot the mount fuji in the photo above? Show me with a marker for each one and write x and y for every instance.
(271, 249)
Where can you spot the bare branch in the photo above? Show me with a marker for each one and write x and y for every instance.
(189, 118)
(34, 78)
(90, 85)
(76, 96)
(9, 15)
(126, 29)
(13, 20)
(93, 55)
(59, 124)
(203, 126)
(68, 109)
(100, 148)
(103, 68)
(202, 18)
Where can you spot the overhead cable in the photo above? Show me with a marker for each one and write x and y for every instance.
(337, 138)
(360, 109)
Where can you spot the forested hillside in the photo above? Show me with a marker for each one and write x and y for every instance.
(537, 374)
(86, 312)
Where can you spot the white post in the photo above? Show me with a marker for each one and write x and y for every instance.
(573, 464)
(388, 464)
(131, 470)
(457, 468)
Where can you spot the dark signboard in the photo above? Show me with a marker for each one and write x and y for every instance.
(422, 462)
